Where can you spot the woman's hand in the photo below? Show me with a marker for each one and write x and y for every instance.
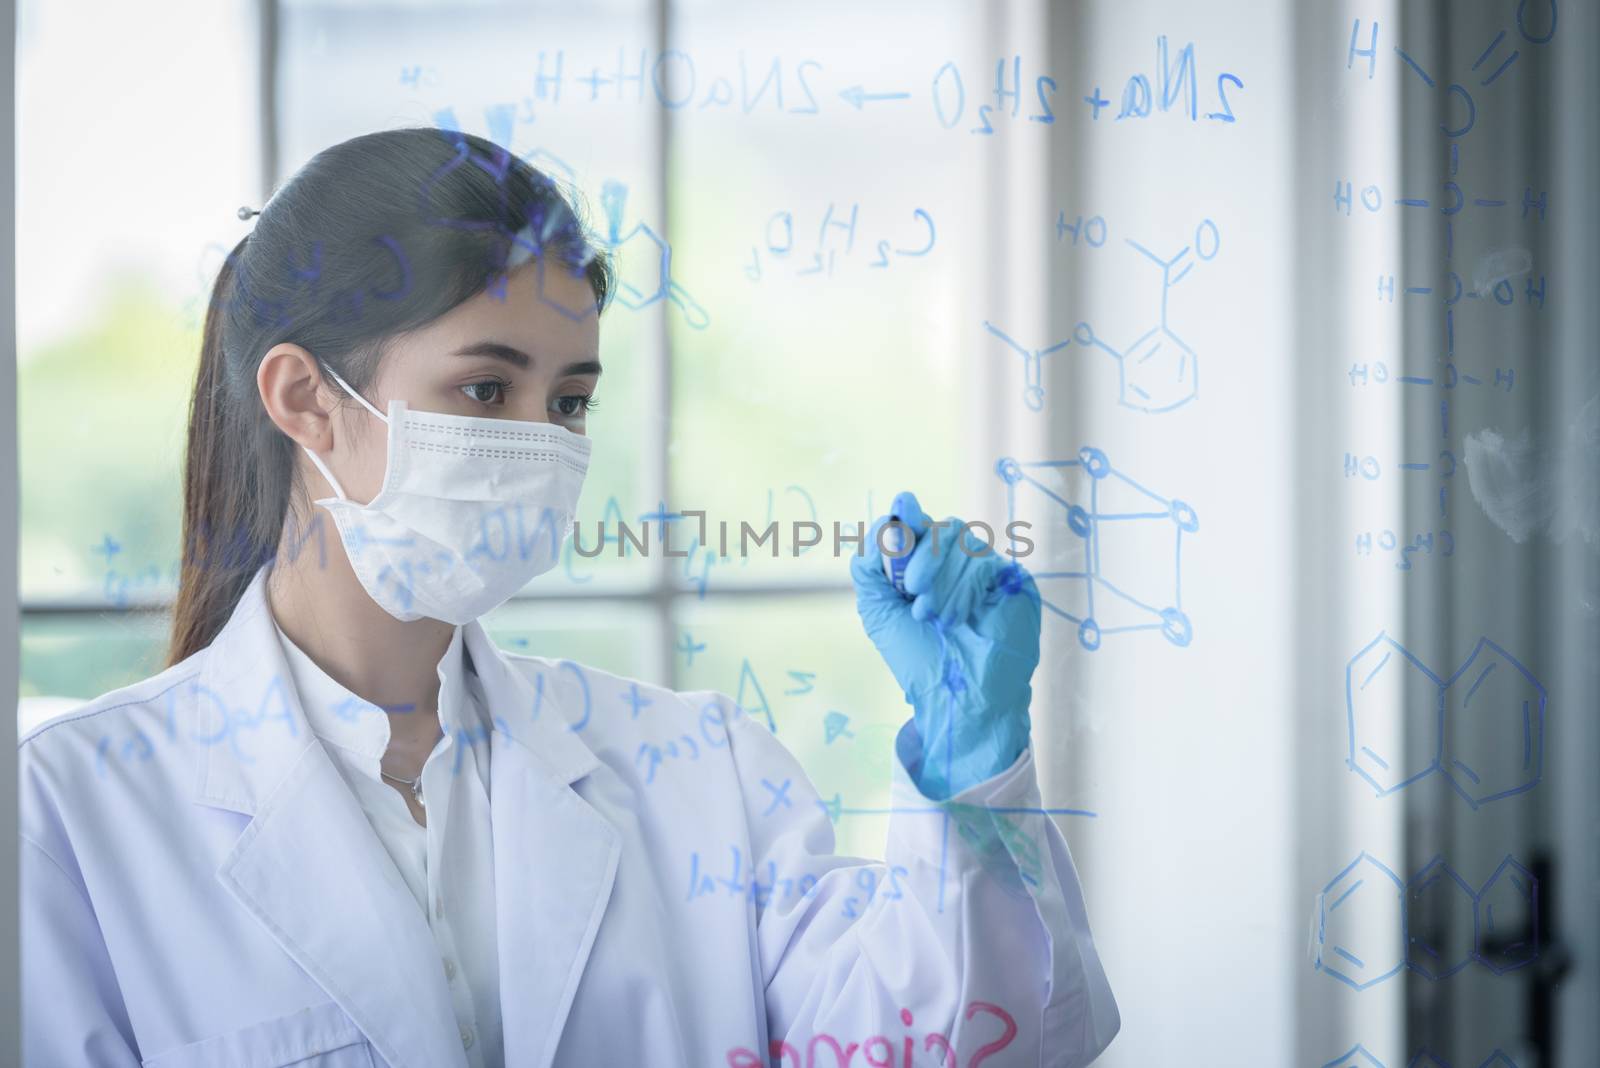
(963, 648)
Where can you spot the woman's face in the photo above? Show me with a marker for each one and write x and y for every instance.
(520, 358)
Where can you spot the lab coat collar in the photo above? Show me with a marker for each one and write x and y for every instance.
(249, 720)
(365, 941)
(246, 716)
(555, 860)
(342, 719)
(521, 712)
(555, 857)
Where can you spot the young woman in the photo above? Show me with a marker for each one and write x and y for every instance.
(343, 828)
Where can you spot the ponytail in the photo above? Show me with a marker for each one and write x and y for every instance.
(228, 529)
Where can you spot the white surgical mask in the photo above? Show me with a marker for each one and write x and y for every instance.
(469, 511)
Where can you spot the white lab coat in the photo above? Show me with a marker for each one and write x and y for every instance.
(200, 888)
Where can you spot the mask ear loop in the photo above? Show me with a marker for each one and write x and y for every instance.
(317, 460)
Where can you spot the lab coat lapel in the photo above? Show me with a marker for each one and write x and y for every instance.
(555, 857)
(308, 866)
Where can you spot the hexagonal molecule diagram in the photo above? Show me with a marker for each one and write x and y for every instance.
(1368, 925)
(1441, 921)
(1485, 723)
(1497, 1059)
(1109, 557)
(1358, 1056)
(1157, 371)
(644, 262)
(1386, 687)
(1360, 925)
(1493, 727)
(1507, 930)
(642, 259)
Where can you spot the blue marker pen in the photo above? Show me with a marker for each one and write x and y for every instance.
(900, 538)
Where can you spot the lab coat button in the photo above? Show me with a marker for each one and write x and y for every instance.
(449, 969)
(466, 1038)
(438, 906)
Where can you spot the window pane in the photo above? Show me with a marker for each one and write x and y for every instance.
(87, 654)
(804, 667)
(612, 636)
(835, 373)
(124, 172)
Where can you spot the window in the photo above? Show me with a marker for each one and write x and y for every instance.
(737, 383)
(111, 260)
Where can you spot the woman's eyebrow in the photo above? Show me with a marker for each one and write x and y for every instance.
(514, 356)
(519, 359)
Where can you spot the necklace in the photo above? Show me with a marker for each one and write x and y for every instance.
(415, 785)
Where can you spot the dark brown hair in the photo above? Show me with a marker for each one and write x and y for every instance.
(373, 237)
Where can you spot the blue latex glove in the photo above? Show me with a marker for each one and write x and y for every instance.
(963, 650)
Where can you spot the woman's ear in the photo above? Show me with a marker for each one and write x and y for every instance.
(296, 398)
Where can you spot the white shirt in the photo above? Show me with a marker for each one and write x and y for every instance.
(451, 875)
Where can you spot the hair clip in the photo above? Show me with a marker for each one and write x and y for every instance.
(246, 212)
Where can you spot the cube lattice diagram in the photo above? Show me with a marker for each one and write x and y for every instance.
(1107, 552)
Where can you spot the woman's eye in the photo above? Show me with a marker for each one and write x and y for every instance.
(488, 392)
(575, 404)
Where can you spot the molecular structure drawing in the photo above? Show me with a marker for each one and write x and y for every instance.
(644, 262)
(1158, 371)
(1121, 529)
(641, 257)
(1032, 365)
(1458, 105)
(1370, 924)
(1486, 721)
(1358, 1056)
